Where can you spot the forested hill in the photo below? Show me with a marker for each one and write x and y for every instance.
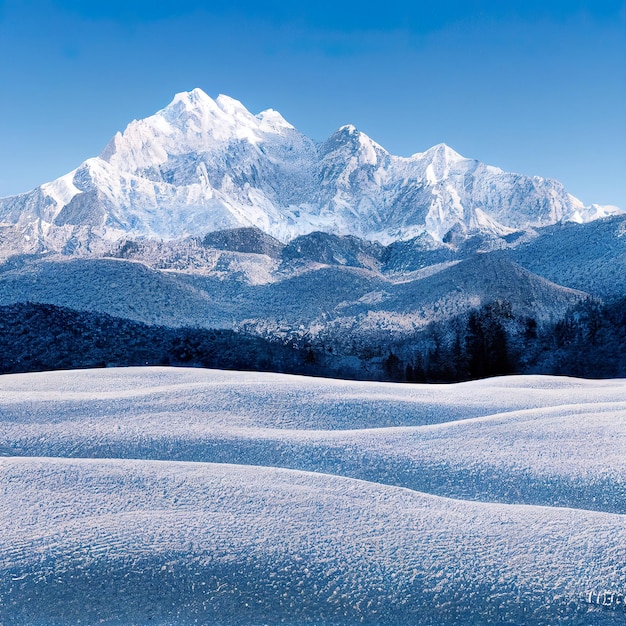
(590, 341)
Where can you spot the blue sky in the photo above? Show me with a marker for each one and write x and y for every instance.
(537, 87)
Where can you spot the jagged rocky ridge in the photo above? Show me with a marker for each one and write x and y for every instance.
(201, 165)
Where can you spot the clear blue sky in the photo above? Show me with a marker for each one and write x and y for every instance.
(533, 86)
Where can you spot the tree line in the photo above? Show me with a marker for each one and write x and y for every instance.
(589, 341)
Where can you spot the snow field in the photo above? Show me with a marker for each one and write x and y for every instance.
(176, 542)
(183, 496)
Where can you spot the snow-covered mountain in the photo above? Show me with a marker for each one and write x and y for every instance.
(201, 165)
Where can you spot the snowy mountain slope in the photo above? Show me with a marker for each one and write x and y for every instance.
(347, 303)
(222, 298)
(590, 256)
(408, 305)
(587, 257)
(140, 541)
(201, 165)
(119, 288)
(330, 249)
(252, 292)
(251, 240)
(244, 254)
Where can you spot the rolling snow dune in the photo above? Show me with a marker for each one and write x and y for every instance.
(138, 542)
(182, 496)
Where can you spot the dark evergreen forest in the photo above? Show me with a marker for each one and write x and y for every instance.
(590, 341)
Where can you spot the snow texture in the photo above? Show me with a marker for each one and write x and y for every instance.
(172, 496)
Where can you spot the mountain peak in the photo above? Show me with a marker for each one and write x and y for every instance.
(442, 151)
(201, 164)
(231, 106)
(348, 137)
(188, 107)
(273, 119)
(197, 107)
(194, 99)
